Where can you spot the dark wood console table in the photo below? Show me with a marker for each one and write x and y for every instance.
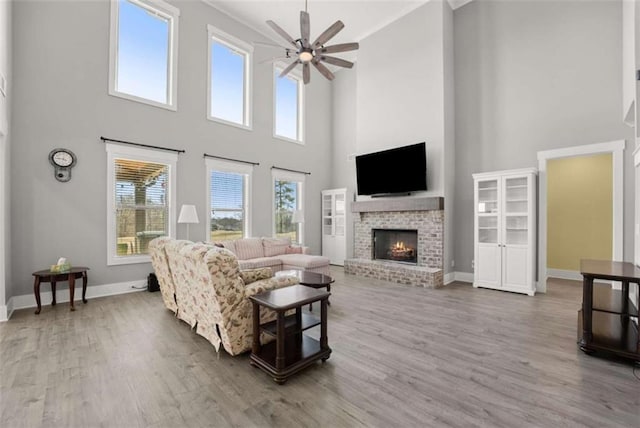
(292, 350)
(53, 277)
(608, 318)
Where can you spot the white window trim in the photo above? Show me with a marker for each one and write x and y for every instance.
(172, 14)
(115, 151)
(296, 74)
(236, 168)
(280, 175)
(217, 35)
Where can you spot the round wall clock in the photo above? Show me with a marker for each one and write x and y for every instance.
(62, 160)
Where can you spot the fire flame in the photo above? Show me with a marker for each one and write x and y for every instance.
(399, 246)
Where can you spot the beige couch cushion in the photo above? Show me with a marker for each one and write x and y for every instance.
(303, 261)
(271, 262)
(249, 248)
(229, 245)
(275, 246)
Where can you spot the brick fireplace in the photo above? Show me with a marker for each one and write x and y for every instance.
(399, 261)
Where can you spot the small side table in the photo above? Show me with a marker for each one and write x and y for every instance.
(292, 350)
(53, 277)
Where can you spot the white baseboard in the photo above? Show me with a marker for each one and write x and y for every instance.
(3, 313)
(464, 277)
(564, 274)
(62, 295)
(458, 276)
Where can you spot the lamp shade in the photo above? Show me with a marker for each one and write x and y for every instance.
(188, 214)
(298, 216)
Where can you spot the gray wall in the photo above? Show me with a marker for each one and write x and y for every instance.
(5, 115)
(344, 98)
(400, 94)
(533, 76)
(61, 62)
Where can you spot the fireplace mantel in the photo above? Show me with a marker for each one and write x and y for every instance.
(402, 204)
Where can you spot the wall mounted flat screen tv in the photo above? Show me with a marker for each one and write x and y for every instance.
(396, 171)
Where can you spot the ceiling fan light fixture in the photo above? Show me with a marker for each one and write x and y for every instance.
(305, 56)
(313, 53)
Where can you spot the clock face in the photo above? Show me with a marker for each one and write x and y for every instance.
(62, 158)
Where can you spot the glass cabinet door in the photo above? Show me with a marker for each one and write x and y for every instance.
(487, 196)
(327, 211)
(516, 207)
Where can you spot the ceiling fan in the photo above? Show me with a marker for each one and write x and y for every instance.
(316, 52)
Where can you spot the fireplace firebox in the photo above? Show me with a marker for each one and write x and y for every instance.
(397, 245)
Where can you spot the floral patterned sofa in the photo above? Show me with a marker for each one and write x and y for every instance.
(210, 291)
(275, 253)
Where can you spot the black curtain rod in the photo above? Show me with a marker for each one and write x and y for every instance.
(104, 139)
(229, 159)
(291, 170)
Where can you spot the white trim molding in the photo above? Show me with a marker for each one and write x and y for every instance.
(245, 50)
(117, 151)
(300, 178)
(296, 75)
(163, 10)
(26, 301)
(616, 148)
(240, 168)
(564, 274)
(458, 276)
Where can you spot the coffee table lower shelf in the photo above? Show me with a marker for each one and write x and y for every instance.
(298, 355)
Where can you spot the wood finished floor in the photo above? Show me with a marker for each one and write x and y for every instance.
(402, 356)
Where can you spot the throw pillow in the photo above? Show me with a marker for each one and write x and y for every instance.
(275, 246)
(293, 250)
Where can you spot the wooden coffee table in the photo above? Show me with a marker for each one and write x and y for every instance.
(292, 350)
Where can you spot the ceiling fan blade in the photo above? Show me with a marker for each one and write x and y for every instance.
(343, 47)
(306, 73)
(336, 61)
(305, 28)
(289, 68)
(324, 70)
(328, 34)
(282, 33)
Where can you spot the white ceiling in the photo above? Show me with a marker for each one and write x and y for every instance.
(361, 17)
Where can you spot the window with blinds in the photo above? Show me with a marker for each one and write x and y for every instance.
(227, 205)
(140, 204)
(141, 201)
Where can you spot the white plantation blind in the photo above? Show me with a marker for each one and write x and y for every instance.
(227, 191)
(228, 198)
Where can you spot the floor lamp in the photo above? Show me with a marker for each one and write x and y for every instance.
(298, 217)
(188, 215)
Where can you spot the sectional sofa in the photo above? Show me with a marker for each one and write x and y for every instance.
(275, 253)
(205, 287)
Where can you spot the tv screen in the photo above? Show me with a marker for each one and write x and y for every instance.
(399, 170)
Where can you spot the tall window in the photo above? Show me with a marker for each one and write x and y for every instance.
(288, 197)
(229, 79)
(144, 51)
(229, 191)
(288, 106)
(141, 201)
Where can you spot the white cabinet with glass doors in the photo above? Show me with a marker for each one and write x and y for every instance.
(505, 230)
(334, 211)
